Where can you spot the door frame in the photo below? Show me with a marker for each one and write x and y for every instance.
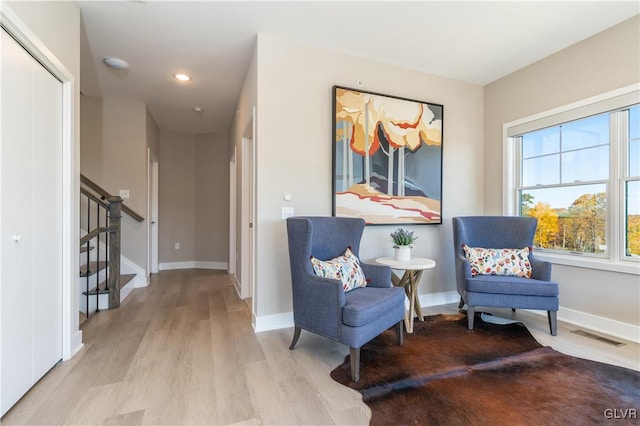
(152, 214)
(16, 28)
(248, 216)
(231, 266)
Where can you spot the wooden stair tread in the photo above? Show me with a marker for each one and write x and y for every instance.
(83, 249)
(124, 280)
(94, 267)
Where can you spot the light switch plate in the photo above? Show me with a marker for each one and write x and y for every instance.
(124, 194)
(287, 212)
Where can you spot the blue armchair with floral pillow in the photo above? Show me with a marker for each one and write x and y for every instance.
(334, 294)
(496, 267)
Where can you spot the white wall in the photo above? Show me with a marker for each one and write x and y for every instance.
(604, 62)
(294, 149)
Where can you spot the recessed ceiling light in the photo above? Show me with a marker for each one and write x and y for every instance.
(182, 77)
(116, 63)
(198, 109)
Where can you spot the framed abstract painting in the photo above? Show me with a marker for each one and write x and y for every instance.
(387, 158)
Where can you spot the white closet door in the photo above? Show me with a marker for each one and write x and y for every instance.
(47, 221)
(30, 221)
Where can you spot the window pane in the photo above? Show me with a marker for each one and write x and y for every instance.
(541, 142)
(587, 132)
(632, 218)
(570, 219)
(585, 164)
(541, 170)
(634, 122)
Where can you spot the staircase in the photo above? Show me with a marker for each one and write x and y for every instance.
(102, 286)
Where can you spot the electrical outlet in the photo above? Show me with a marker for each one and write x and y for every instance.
(177, 246)
(124, 194)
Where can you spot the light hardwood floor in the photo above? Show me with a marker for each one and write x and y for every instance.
(182, 351)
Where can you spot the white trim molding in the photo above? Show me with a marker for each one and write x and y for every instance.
(285, 320)
(437, 299)
(272, 322)
(610, 327)
(193, 264)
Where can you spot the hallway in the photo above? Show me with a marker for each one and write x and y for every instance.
(182, 351)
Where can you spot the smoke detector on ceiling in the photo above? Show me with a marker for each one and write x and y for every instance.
(116, 63)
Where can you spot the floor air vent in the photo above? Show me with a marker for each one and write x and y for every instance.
(596, 337)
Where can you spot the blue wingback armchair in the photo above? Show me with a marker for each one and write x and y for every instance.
(321, 305)
(537, 292)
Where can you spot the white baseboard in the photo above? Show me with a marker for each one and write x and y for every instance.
(76, 343)
(237, 286)
(128, 267)
(124, 291)
(272, 322)
(437, 299)
(596, 323)
(285, 320)
(621, 330)
(192, 264)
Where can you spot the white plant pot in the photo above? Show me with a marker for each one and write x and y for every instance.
(403, 253)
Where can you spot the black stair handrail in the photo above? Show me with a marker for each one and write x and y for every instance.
(110, 209)
(88, 183)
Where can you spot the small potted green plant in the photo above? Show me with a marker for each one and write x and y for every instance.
(402, 243)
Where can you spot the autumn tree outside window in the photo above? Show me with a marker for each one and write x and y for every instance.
(578, 172)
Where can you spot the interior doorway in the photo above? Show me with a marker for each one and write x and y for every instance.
(231, 269)
(246, 285)
(242, 211)
(152, 208)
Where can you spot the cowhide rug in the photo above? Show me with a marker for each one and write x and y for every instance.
(494, 375)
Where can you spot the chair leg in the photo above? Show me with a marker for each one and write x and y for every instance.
(513, 309)
(355, 363)
(400, 332)
(461, 304)
(296, 336)
(470, 315)
(553, 322)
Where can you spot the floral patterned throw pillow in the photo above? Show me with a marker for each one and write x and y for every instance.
(488, 261)
(345, 268)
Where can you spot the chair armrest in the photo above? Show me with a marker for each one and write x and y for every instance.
(463, 271)
(379, 275)
(317, 305)
(463, 267)
(540, 269)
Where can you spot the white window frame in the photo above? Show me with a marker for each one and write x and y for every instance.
(614, 259)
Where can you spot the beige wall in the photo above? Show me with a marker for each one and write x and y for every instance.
(114, 155)
(153, 136)
(294, 150)
(604, 62)
(194, 198)
(176, 198)
(212, 198)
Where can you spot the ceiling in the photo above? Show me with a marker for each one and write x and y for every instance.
(213, 41)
